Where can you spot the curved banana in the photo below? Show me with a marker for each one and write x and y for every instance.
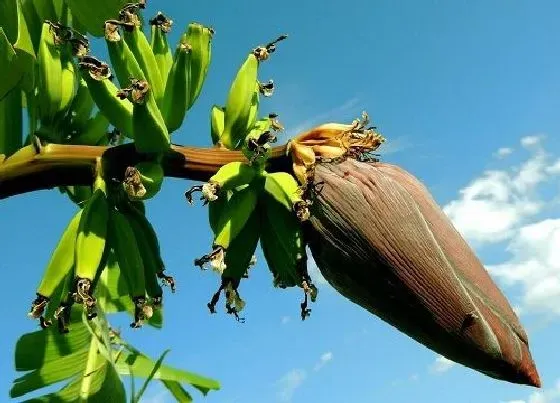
(283, 245)
(233, 217)
(150, 133)
(90, 246)
(58, 267)
(144, 180)
(283, 187)
(130, 262)
(241, 103)
(79, 195)
(175, 101)
(123, 61)
(140, 47)
(49, 84)
(95, 131)
(119, 112)
(149, 254)
(199, 38)
(81, 108)
(229, 176)
(216, 123)
(160, 26)
(68, 79)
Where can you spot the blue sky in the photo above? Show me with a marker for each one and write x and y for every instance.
(467, 94)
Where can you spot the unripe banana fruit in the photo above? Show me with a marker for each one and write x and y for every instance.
(144, 180)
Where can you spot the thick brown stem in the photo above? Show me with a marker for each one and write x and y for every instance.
(57, 165)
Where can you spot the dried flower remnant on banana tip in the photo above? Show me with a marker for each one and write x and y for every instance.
(332, 142)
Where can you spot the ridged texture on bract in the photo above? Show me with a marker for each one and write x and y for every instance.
(380, 239)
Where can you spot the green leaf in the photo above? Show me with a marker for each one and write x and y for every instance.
(105, 387)
(142, 366)
(180, 394)
(36, 349)
(52, 372)
(157, 365)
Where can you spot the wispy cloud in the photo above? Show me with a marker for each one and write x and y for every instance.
(503, 152)
(441, 365)
(531, 141)
(336, 113)
(285, 319)
(493, 206)
(510, 205)
(288, 384)
(325, 358)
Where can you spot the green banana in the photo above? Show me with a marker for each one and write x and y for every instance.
(119, 112)
(199, 38)
(122, 59)
(11, 128)
(49, 86)
(150, 133)
(144, 180)
(229, 176)
(175, 101)
(68, 80)
(239, 103)
(233, 217)
(81, 108)
(148, 253)
(161, 25)
(60, 264)
(95, 131)
(283, 245)
(216, 123)
(137, 209)
(140, 47)
(90, 245)
(284, 188)
(79, 195)
(131, 265)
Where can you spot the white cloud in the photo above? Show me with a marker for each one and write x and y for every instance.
(554, 169)
(289, 383)
(530, 141)
(441, 365)
(551, 395)
(503, 152)
(535, 266)
(285, 319)
(325, 358)
(492, 207)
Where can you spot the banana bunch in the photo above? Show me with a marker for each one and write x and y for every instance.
(246, 204)
(241, 108)
(72, 269)
(57, 76)
(107, 225)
